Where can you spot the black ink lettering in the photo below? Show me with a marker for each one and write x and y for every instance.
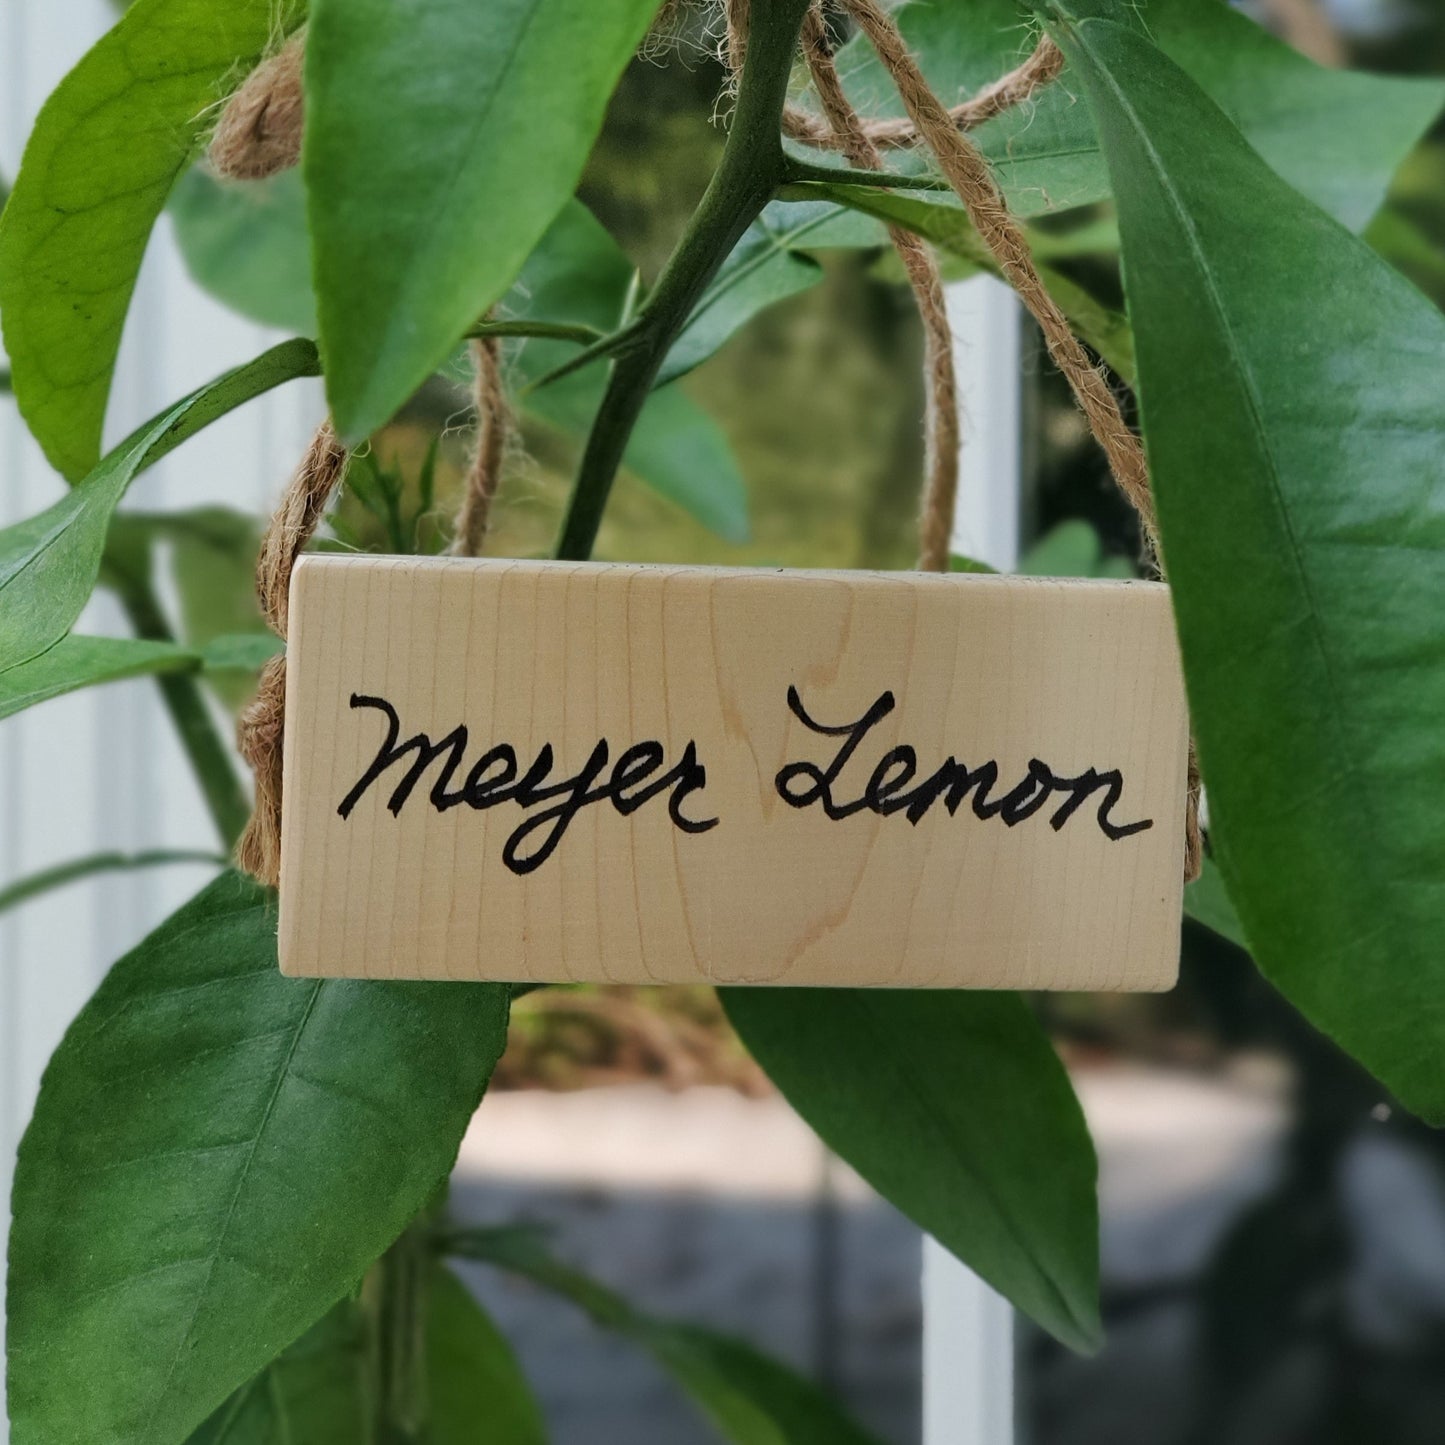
(822, 781)
(953, 782)
(1090, 782)
(803, 784)
(691, 778)
(482, 791)
(640, 761)
(390, 752)
(881, 787)
(1024, 800)
(492, 780)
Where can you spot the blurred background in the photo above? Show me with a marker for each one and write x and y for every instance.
(1273, 1235)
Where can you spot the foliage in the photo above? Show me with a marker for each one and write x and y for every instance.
(955, 1107)
(219, 1156)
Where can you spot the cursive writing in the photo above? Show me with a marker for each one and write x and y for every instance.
(493, 779)
(887, 790)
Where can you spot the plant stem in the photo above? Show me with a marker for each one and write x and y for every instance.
(801, 171)
(751, 169)
(210, 759)
(395, 1293)
(546, 330)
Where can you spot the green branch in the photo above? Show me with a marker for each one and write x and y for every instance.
(752, 168)
(800, 171)
(210, 759)
(546, 330)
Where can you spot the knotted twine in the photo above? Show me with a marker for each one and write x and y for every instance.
(260, 731)
(968, 173)
(940, 489)
(259, 133)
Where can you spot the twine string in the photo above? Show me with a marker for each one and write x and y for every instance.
(494, 424)
(259, 731)
(259, 132)
(944, 444)
(972, 181)
(1018, 87)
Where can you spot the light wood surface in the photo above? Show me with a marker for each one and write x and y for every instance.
(1070, 689)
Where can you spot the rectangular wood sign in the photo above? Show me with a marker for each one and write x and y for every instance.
(631, 774)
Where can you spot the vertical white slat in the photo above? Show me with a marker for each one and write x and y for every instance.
(968, 1351)
(102, 769)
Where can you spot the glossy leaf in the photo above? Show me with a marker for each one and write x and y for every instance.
(210, 557)
(439, 146)
(322, 1390)
(76, 662)
(246, 243)
(955, 1108)
(676, 448)
(318, 1391)
(476, 1391)
(752, 1399)
(579, 275)
(239, 651)
(1207, 901)
(49, 562)
(1337, 136)
(1073, 549)
(769, 264)
(104, 153)
(36, 884)
(1291, 393)
(945, 224)
(216, 1156)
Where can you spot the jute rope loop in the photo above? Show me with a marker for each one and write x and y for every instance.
(259, 732)
(259, 133)
(494, 420)
(895, 133)
(972, 181)
(848, 131)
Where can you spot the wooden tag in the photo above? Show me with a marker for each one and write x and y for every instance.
(629, 774)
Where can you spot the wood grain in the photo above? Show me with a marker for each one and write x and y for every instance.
(1077, 675)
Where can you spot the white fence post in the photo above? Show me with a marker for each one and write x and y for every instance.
(968, 1351)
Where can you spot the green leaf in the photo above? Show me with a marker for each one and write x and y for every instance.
(211, 556)
(946, 225)
(216, 1156)
(1290, 384)
(957, 562)
(1207, 901)
(955, 1108)
(751, 1399)
(49, 562)
(769, 264)
(476, 1391)
(104, 153)
(247, 244)
(35, 884)
(579, 275)
(676, 448)
(441, 140)
(1335, 135)
(318, 1391)
(240, 651)
(76, 662)
(1072, 549)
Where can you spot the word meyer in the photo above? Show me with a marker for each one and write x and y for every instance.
(635, 780)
